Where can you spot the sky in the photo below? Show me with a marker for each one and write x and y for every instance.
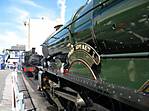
(40, 15)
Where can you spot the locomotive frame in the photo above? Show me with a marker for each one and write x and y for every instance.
(101, 51)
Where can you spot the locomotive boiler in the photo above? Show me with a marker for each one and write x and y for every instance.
(105, 41)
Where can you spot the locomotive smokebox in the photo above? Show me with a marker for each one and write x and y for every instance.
(45, 51)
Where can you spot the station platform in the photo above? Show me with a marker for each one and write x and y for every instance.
(5, 90)
(33, 100)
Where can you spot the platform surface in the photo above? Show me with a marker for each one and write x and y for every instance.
(5, 90)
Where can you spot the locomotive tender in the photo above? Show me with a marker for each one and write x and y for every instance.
(105, 41)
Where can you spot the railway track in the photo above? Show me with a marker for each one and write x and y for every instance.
(33, 100)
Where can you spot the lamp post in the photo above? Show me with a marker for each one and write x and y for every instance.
(28, 23)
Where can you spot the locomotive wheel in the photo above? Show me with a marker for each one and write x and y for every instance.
(71, 106)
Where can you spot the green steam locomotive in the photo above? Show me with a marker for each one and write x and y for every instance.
(106, 40)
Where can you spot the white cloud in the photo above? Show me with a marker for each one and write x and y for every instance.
(10, 38)
(20, 14)
(15, 33)
(39, 30)
(27, 2)
(31, 3)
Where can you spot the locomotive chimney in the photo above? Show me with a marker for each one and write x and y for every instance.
(33, 50)
(58, 26)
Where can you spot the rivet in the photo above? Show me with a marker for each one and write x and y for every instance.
(129, 97)
(113, 92)
(139, 100)
(121, 94)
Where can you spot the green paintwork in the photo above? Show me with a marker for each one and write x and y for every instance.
(132, 73)
(129, 35)
(82, 55)
(118, 30)
(78, 68)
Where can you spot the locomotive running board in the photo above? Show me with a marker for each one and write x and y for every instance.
(133, 98)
